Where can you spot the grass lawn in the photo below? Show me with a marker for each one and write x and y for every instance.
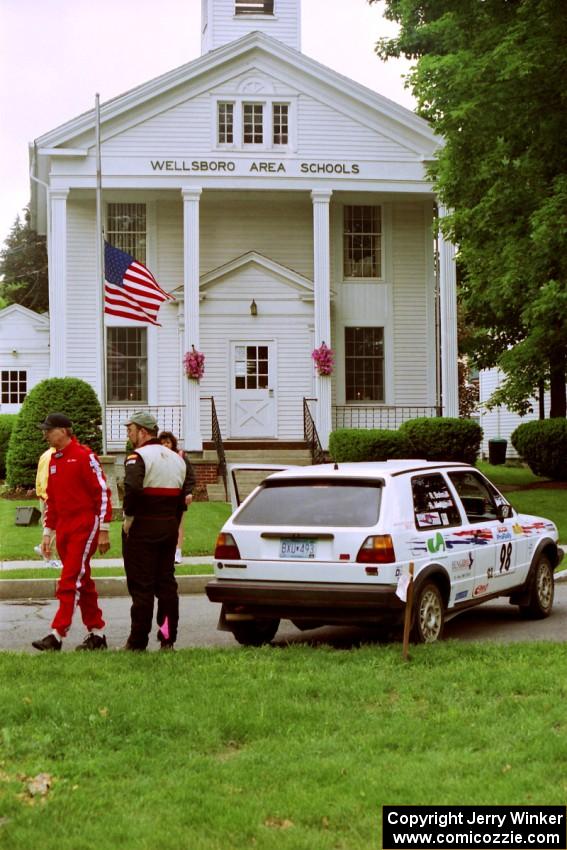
(513, 476)
(203, 521)
(101, 572)
(293, 748)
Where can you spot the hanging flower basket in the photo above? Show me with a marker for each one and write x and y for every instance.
(324, 358)
(194, 364)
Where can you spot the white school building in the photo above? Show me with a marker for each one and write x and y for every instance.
(284, 206)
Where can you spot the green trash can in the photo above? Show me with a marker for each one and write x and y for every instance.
(497, 451)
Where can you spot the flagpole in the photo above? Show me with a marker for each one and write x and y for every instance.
(100, 269)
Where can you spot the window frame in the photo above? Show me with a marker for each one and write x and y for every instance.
(425, 527)
(145, 391)
(254, 13)
(268, 102)
(280, 105)
(8, 381)
(256, 105)
(219, 104)
(134, 241)
(496, 499)
(378, 235)
(363, 401)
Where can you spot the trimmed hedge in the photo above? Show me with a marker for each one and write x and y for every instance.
(7, 422)
(442, 438)
(359, 444)
(543, 445)
(71, 396)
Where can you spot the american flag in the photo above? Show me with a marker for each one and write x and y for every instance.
(130, 289)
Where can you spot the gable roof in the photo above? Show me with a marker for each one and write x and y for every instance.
(40, 319)
(403, 123)
(291, 278)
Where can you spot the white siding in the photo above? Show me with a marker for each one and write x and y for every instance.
(83, 318)
(24, 347)
(279, 226)
(326, 132)
(501, 422)
(178, 131)
(413, 327)
(223, 26)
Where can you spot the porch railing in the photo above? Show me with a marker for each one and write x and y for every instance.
(169, 418)
(217, 440)
(310, 434)
(388, 417)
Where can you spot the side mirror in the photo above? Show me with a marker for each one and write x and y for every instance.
(504, 511)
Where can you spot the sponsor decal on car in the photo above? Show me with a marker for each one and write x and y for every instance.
(432, 518)
(503, 533)
(470, 537)
(480, 589)
(436, 544)
(462, 594)
(462, 566)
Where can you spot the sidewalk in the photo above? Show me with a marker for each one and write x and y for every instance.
(44, 588)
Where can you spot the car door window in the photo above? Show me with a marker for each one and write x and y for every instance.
(433, 504)
(477, 497)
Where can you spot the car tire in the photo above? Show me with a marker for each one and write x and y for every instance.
(540, 591)
(255, 632)
(428, 614)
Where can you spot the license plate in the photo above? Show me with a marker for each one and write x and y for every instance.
(290, 548)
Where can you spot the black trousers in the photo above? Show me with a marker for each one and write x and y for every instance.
(149, 555)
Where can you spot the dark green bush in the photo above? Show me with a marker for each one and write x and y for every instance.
(442, 438)
(71, 396)
(7, 422)
(359, 444)
(543, 445)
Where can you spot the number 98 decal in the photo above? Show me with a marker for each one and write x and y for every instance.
(505, 557)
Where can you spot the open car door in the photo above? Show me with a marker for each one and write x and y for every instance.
(243, 478)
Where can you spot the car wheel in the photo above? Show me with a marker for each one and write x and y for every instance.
(254, 632)
(428, 614)
(540, 591)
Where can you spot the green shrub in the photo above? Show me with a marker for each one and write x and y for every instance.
(359, 444)
(543, 445)
(7, 422)
(71, 396)
(442, 438)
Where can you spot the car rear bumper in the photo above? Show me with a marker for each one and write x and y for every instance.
(329, 603)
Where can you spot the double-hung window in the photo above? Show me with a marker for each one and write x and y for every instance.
(253, 123)
(127, 346)
(362, 242)
(280, 123)
(225, 123)
(364, 364)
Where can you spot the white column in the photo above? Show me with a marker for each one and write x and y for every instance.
(58, 282)
(448, 329)
(322, 291)
(193, 440)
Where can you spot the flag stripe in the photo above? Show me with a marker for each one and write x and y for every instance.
(131, 291)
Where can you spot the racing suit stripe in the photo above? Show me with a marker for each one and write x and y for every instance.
(84, 560)
(103, 487)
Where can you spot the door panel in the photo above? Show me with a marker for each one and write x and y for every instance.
(253, 402)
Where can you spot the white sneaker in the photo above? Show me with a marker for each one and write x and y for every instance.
(37, 550)
(177, 556)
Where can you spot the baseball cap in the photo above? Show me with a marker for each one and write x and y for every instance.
(144, 420)
(55, 420)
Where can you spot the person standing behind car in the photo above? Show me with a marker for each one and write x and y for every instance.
(156, 482)
(168, 439)
(78, 509)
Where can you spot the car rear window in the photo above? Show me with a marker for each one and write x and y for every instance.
(313, 503)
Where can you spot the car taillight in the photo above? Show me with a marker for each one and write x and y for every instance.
(377, 549)
(226, 548)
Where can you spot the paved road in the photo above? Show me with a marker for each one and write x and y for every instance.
(23, 621)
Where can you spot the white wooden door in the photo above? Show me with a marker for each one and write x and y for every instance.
(253, 402)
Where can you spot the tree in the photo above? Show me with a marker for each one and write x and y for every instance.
(23, 263)
(489, 75)
(71, 396)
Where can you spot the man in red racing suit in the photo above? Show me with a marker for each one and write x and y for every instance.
(79, 510)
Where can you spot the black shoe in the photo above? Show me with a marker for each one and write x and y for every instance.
(93, 641)
(167, 645)
(129, 647)
(48, 644)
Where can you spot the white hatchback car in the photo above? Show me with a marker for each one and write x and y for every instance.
(328, 544)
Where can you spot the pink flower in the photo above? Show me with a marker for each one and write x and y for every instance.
(194, 364)
(324, 359)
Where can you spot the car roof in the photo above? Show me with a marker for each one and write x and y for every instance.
(381, 470)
